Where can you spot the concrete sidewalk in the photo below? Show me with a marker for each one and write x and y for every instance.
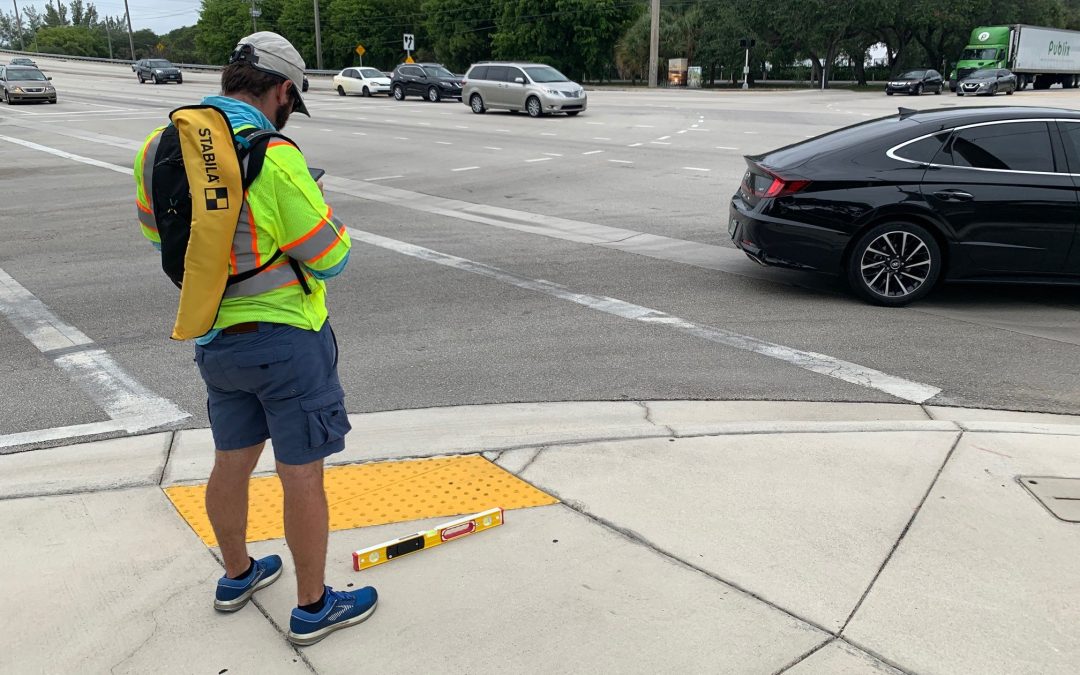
(701, 537)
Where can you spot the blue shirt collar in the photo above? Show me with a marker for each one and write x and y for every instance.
(240, 114)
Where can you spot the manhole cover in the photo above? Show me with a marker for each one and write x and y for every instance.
(1060, 496)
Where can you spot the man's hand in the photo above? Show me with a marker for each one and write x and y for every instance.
(321, 189)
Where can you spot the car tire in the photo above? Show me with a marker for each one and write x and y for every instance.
(433, 94)
(534, 107)
(959, 93)
(153, 78)
(398, 93)
(366, 92)
(180, 81)
(894, 264)
(340, 90)
(141, 80)
(476, 104)
(1009, 92)
(573, 113)
(888, 93)
(994, 91)
(918, 90)
(937, 92)
(52, 101)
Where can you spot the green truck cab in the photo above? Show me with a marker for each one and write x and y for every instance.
(988, 47)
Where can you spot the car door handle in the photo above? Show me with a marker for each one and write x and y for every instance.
(954, 196)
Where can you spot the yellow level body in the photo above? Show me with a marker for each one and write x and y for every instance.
(455, 529)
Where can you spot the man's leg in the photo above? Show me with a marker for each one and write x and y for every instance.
(306, 526)
(227, 504)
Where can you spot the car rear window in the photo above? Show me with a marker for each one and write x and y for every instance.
(1014, 146)
(498, 73)
(849, 137)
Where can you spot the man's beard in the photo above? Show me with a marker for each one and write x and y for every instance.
(281, 117)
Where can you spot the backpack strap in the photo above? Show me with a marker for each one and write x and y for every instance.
(252, 144)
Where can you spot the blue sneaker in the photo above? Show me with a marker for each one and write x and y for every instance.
(233, 594)
(342, 609)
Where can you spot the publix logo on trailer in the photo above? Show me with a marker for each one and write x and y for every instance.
(984, 36)
(1058, 48)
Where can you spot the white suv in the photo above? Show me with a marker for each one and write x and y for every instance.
(533, 87)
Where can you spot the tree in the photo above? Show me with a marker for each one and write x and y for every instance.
(56, 16)
(221, 25)
(73, 40)
(459, 30)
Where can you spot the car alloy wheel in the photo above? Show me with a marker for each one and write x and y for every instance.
(399, 93)
(433, 95)
(477, 104)
(153, 78)
(533, 107)
(141, 80)
(340, 90)
(918, 90)
(894, 264)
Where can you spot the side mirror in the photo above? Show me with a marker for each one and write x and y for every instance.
(48, 78)
(519, 80)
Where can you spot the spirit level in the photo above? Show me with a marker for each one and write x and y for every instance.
(455, 529)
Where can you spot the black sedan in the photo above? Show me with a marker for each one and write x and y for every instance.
(915, 82)
(987, 82)
(898, 204)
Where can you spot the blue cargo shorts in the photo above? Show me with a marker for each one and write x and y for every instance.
(279, 382)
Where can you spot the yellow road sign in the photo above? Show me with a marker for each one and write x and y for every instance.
(409, 59)
(360, 50)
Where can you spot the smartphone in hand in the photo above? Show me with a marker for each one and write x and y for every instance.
(316, 174)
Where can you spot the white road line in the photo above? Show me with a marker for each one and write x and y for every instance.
(359, 133)
(660, 142)
(635, 145)
(725, 147)
(592, 152)
(539, 159)
(699, 130)
(663, 138)
(400, 138)
(67, 155)
(491, 147)
(601, 138)
(546, 133)
(644, 126)
(383, 178)
(60, 433)
(693, 126)
(466, 168)
(620, 161)
(596, 123)
(460, 127)
(552, 154)
(327, 130)
(503, 131)
(424, 124)
(695, 168)
(443, 143)
(128, 403)
(750, 133)
(817, 363)
(681, 131)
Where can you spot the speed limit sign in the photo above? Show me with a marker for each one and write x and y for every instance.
(410, 42)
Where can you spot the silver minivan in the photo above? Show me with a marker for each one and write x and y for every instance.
(533, 87)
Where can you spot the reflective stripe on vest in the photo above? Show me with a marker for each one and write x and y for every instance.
(278, 275)
(146, 217)
(319, 240)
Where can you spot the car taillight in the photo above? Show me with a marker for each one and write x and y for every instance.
(781, 187)
(765, 184)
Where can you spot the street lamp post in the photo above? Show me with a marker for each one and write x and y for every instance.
(131, 36)
(318, 37)
(654, 42)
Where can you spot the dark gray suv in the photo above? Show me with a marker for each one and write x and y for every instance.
(429, 80)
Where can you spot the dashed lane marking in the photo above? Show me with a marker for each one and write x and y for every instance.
(538, 159)
(620, 161)
(466, 168)
(592, 152)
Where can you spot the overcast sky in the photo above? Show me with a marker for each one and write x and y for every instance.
(160, 16)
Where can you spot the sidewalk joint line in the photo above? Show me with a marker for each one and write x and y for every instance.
(799, 659)
(529, 463)
(903, 533)
(173, 440)
(640, 540)
(879, 657)
(266, 615)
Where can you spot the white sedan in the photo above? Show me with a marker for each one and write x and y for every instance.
(365, 81)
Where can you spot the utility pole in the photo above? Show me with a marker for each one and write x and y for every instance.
(131, 35)
(18, 22)
(318, 37)
(654, 43)
(254, 15)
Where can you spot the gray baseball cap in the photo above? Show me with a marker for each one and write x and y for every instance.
(271, 53)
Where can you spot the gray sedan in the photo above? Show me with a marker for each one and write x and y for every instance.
(987, 82)
(19, 83)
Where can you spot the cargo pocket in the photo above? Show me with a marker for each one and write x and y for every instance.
(326, 417)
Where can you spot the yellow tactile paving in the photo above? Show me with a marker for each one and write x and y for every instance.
(377, 494)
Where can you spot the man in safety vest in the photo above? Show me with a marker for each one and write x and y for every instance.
(270, 360)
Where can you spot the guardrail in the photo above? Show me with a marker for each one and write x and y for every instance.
(128, 62)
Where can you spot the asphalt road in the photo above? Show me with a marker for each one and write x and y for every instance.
(541, 223)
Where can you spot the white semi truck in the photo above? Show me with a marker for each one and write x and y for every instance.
(1039, 56)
